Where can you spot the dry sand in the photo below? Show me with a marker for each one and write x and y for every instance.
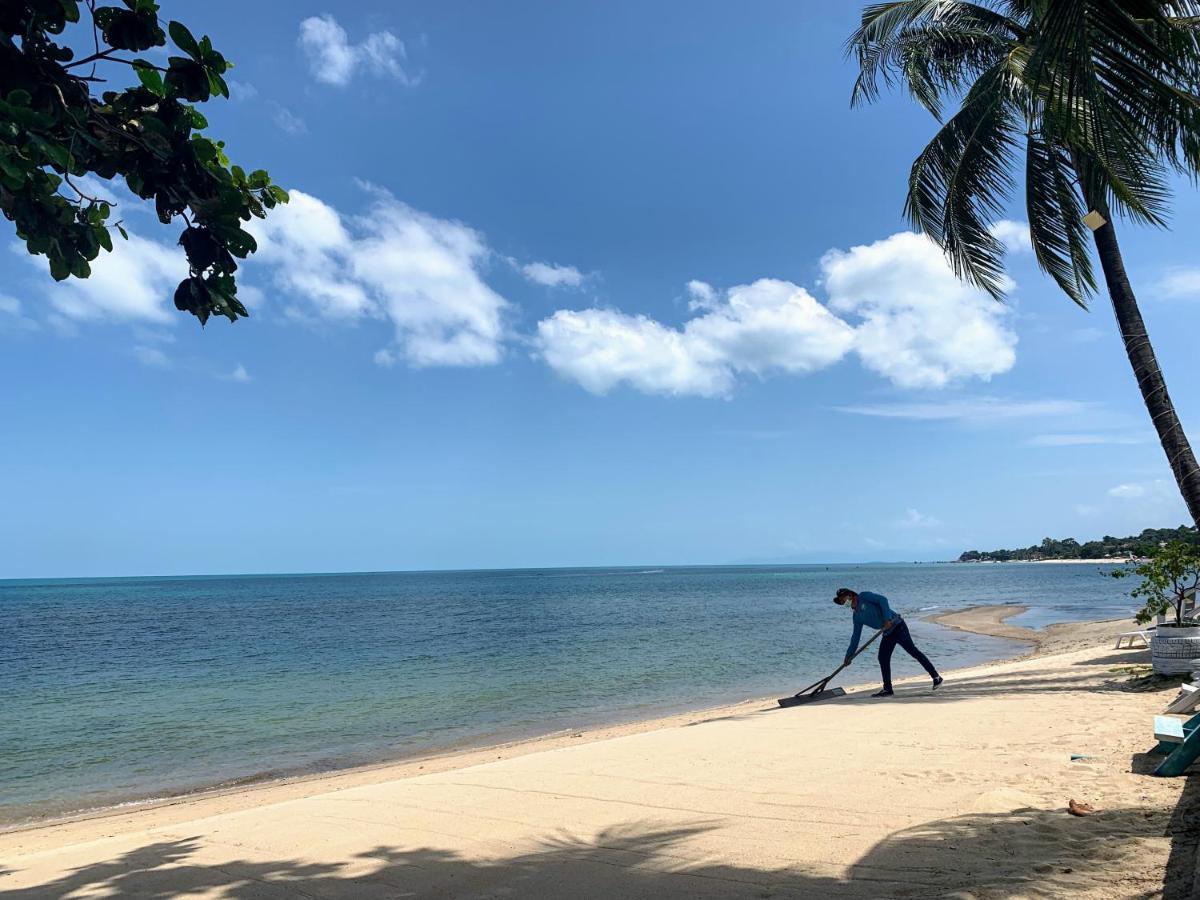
(959, 793)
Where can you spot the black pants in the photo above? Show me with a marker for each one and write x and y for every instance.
(899, 635)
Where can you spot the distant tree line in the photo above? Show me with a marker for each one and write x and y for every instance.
(1141, 546)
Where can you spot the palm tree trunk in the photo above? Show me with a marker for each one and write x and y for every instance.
(1145, 369)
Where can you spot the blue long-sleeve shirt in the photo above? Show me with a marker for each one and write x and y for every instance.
(873, 610)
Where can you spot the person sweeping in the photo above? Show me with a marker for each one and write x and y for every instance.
(872, 610)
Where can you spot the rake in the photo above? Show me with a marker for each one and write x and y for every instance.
(817, 688)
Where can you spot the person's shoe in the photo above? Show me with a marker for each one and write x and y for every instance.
(884, 693)
(937, 681)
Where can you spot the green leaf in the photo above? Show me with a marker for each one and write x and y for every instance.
(20, 97)
(123, 232)
(12, 167)
(59, 270)
(188, 79)
(196, 118)
(216, 84)
(183, 39)
(57, 153)
(150, 78)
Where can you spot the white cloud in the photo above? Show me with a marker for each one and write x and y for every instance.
(11, 316)
(395, 264)
(915, 519)
(1083, 440)
(62, 325)
(971, 409)
(551, 275)
(601, 349)
(703, 296)
(241, 90)
(135, 283)
(151, 356)
(152, 335)
(1127, 491)
(921, 325)
(251, 295)
(421, 273)
(1013, 235)
(289, 122)
(333, 59)
(239, 374)
(1138, 504)
(761, 328)
(1180, 283)
(906, 316)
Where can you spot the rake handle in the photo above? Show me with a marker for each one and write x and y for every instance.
(828, 678)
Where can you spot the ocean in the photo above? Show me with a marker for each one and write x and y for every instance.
(114, 690)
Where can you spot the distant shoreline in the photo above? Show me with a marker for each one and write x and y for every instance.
(1109, 561)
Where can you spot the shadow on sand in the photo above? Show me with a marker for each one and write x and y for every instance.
(1027, 853)
(1182, 881)
(1014, 684)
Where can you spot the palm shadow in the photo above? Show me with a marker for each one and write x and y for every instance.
(1023, 853)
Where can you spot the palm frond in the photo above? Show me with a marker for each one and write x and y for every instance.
(932, 46)
(960, 182)
(1106, 94)
(1057, 232)
(1118, 96)
(932, 63)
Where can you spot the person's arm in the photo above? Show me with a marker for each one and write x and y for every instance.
(854, 639)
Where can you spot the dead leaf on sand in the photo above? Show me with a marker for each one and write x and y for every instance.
(1080, 809)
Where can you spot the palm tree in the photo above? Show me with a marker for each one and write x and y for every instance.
(1103, 96)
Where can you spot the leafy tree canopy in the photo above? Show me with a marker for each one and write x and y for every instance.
(53, 129)
(1145, 544)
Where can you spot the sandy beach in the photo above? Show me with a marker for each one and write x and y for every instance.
(959, 793)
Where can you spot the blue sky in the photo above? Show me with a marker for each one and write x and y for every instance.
(571, 285)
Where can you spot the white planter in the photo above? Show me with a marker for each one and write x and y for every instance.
(1175, 650)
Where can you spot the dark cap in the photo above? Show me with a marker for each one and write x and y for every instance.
(842, 594)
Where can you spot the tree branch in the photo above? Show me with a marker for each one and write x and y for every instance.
(95, 57)
(106, 56)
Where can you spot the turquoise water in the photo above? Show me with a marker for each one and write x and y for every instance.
(119, 689)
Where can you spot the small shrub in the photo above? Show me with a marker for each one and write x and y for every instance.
(1168, 578)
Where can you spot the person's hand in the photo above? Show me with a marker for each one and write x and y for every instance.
(846, 661)
(888, 624)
